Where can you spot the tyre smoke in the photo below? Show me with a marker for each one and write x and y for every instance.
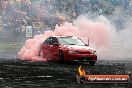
(103, 36)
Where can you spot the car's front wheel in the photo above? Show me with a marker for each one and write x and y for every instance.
(61, 57)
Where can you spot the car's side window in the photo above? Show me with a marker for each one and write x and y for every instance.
(47, 41)
(50, 40)
(53, 40)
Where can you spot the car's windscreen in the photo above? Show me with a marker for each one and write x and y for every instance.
(71, 41)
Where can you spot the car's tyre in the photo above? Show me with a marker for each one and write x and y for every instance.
(92, 63)
(61, 57)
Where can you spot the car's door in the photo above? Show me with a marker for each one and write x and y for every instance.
(46, 48)
(53, 50)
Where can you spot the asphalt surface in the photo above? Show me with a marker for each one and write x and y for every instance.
(25, 74)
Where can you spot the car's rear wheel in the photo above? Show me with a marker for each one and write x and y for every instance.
(61, 57)
(92, 63)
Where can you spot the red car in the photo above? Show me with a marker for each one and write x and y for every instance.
(67, 49)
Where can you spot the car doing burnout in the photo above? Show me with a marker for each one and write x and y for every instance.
(67, 49)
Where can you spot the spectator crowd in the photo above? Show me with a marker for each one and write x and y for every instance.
(15, 15)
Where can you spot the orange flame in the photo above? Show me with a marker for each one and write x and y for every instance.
(81, 71)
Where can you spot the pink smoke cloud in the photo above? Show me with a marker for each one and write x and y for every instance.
(97, 32)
